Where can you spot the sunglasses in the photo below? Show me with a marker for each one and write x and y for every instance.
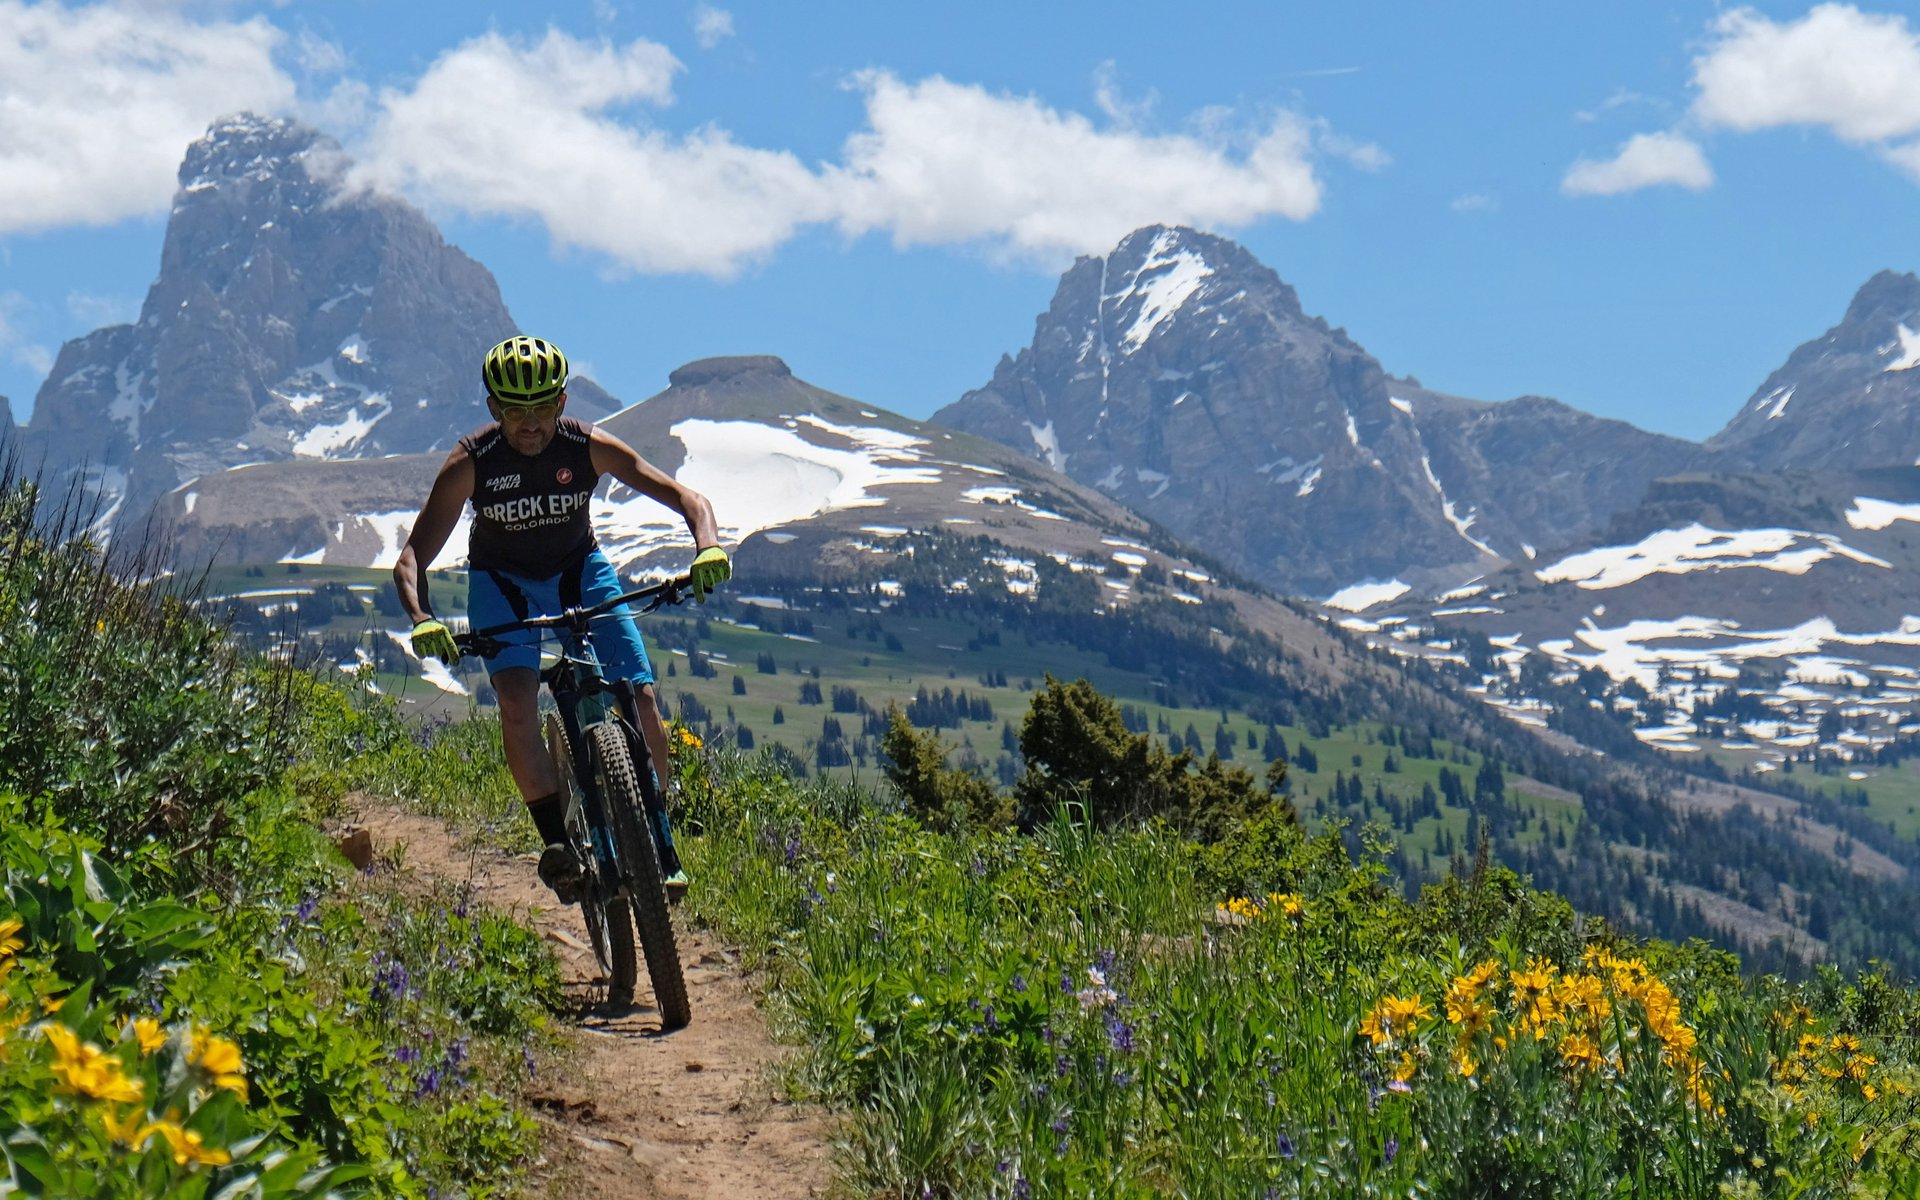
(517, 414)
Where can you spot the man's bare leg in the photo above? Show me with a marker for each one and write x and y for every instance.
(526, 750)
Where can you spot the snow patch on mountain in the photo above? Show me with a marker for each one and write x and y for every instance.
(1169, 276)
(1698, 548)
(1868, 513)
(1909, 350)
(1365, 595)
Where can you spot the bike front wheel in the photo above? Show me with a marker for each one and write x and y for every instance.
(602, 907)
(621, 789)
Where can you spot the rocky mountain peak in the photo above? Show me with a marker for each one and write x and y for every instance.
(1848, 399)
(1181, 376)
(742, 368)
(246, 147)
(289, 319)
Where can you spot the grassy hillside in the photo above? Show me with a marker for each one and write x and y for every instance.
(811, 666)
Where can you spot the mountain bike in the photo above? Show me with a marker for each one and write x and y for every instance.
(616, 818)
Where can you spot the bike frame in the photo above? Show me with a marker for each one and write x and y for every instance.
(579, 688)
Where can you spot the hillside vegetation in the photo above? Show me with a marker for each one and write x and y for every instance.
(1128, 974)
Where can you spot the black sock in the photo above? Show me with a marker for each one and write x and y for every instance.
(550, 818)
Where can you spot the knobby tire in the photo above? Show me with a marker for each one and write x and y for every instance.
(602, 908)
(622, 792)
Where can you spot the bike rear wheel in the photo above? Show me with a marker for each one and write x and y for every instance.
(602, 907)
(621, 788)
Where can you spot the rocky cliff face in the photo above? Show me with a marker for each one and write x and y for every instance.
(1182, 377)
(1848, 399)
(290, 320)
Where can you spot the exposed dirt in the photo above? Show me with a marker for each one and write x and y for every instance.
(690, 1115)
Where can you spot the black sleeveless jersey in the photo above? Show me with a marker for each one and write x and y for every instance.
(531, 516)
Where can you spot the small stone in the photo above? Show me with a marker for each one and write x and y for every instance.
(356, 846)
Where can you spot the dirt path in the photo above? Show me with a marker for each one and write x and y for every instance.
(691, 1115)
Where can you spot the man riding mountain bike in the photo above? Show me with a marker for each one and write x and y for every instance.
(530, 476)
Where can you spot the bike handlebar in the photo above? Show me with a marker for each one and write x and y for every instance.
(670, 591)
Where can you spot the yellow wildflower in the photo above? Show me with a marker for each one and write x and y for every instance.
(148, 1033)
(10, 940)
(1577, 1050)
(189, 1148)
(1405, 1068)
(1845, 1043)
(1810, 1044)
(129, 1132)
(1869, 1092)
(1533, 997)
(1393, 1016)
(219, 1058)
(1287, 905)
(1463, 1060)
(84, 1070)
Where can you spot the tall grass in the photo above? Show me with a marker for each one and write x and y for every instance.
(1081, 1014)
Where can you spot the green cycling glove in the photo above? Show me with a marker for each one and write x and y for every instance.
(432, 640)
(710, 569)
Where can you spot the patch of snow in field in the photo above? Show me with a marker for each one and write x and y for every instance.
(990, 495)
(762, 601)
(300, 402)
(1193, 573)
(867, 437)
(1126, 559)
(1698, 548)
(1868, 513)
(353, 352)
(310, 558)
(886, 531)
(1186, 597)
(1307, 484)
(188, 501)
(1405, 406)
(1360, 596)
(1465, 593)
(1469, 610)
(432, 670)
(764, 477)
(780, 539)
(1158, 479)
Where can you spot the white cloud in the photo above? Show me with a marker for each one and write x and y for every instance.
(1644, 160)
(1856, 73)
(1906, 157)
(15, 344)
(494, 128)
(100, 102)
(711, 26)
(1475, 202)
(944, 162)
(94, 311)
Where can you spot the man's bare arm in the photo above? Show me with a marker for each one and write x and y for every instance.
(611, 456)
(431, 529)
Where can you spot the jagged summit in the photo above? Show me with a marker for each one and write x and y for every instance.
(1846, 400)
(705, 372)
(1181, 376)
(247, 146)
(289, 320)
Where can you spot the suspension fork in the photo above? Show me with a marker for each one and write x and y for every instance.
(653, 783)
(599, 830)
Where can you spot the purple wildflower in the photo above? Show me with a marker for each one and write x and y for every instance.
(1018, 982)
(1392, 1149)
(1284, 1145)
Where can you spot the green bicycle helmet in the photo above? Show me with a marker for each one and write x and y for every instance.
(524, 371)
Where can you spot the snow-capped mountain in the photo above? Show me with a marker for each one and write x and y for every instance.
(1182, 377)
(795, 473)
(292, 319)
(1768, 614)
(1847, 399)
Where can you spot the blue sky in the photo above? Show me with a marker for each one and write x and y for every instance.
(1638, 208)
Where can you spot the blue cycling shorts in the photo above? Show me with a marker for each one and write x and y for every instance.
(615, 639)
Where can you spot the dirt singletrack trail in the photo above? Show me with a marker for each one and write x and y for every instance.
(690, 1115)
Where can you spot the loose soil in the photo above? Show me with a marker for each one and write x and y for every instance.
(643, 1115)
